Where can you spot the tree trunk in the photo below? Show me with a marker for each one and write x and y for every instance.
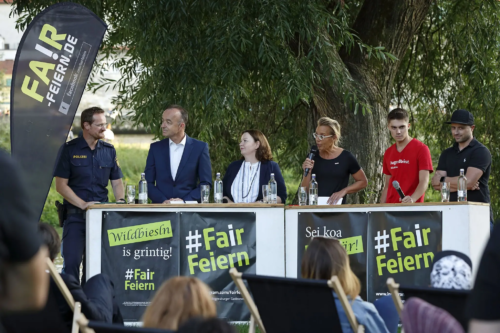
(388, 23)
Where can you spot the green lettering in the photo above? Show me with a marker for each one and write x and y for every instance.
(41, 68)
(191, 263)
(391, 264)
(207, 237)
(204, 263)
(31, 92)
(238, 235)
(395, 238)
(53, 36)
(427, 255)
(424, 234)
(222, 241)
(409, 241)
(242, 255)
(408, 262)
(380, 264)
(141, 286)
(417, 260)
(137, 272)
(222, 262)
(231, 260)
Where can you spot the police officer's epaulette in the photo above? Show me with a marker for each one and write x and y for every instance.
(107, 144)
(72, 142)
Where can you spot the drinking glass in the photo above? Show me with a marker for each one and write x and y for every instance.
(302, 196)
(205, 194)
(130, 194)
(445, 192)
(265, 193)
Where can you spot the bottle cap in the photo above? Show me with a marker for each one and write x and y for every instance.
(272, 174)
(314, 175)
(218, 174)
(461, 170)
(143, 174)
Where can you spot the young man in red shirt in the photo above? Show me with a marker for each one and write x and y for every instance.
(408, 161)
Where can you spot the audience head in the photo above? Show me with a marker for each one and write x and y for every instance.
(211, 325)
(51, 238)
(329, 131)
(398, 124)
(254, 142)
(179, 299)
(173, 122)
(451, 270)
(326, 257)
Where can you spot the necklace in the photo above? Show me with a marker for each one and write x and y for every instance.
(251, 183)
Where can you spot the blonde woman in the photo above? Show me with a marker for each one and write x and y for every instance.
(333, 165)
(326, 257)
(179, 299)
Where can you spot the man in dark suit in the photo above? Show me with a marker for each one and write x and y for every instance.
(177, 165)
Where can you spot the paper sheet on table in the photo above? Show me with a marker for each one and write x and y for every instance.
(323, 200)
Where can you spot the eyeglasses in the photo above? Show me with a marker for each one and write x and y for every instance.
(321, 137)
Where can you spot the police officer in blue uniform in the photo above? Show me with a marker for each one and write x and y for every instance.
(85, 166)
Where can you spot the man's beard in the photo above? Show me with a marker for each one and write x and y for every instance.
(464, 138)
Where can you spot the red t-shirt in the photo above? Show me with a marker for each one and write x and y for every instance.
(404, 167)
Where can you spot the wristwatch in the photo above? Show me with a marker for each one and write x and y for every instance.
(442, 179)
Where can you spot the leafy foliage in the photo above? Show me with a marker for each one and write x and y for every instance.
(454, 62)
(260, 64)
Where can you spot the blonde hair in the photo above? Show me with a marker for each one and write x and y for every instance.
(179, 299)
(334, 126)
(326, 257)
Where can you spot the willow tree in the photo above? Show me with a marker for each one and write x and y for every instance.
(280, 65)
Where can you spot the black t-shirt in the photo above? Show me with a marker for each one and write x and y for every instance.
(475, 155)
(333, 175)
(19, 238)
(484, 300)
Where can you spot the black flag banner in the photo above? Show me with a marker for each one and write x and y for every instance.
(52, 66)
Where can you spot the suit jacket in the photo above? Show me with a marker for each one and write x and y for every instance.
(266, 168)
(194, 166)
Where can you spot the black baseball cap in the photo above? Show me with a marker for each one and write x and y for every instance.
(461, 116)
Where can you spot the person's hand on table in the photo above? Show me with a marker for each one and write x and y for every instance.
(86, 205)
(336, 197)
(173, 199)
(407, 199)
(228, 200)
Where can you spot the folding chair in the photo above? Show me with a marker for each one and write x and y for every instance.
(452, 301)
(285, 305)
(394, 290)
(99, 327)
(75, 307)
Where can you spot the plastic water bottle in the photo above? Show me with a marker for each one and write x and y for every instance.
(462, 187)
(218, 189)
(143, 190)
(273, 190)
(313, 191)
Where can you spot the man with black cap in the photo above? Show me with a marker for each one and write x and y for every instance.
(466, 153)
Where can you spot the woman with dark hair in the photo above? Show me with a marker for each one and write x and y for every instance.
(244, 178)
(326, 257)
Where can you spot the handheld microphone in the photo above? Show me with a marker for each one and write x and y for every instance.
(312, 153)
(398, 189)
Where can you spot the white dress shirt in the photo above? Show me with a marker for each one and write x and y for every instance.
(246, 188)
(176, 151)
